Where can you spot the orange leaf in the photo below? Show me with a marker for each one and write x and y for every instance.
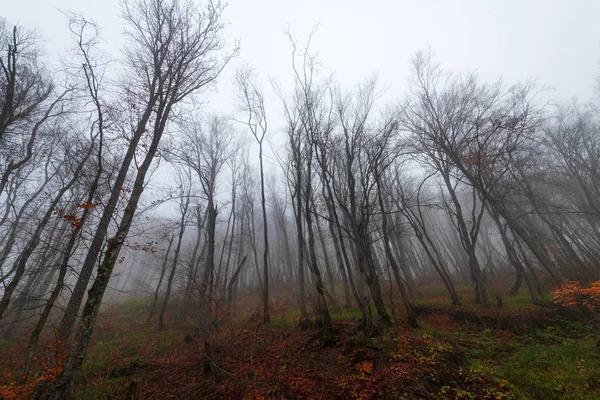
(366, 367)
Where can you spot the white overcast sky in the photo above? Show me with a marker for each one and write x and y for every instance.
(557, 42)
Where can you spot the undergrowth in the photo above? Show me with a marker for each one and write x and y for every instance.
(518, 351)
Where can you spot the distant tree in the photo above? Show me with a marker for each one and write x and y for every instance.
(163, 271)
(356, 188)
(483, 133)
(315, 120)
(205, 148)
(252, 103)
(184, 181)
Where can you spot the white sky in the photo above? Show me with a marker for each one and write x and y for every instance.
(557, 42)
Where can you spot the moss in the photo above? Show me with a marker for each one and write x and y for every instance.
(553, 371)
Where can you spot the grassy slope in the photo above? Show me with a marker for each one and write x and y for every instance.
(514, 352)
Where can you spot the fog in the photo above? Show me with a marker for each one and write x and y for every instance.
(196, 153)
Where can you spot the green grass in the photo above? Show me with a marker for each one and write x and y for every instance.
(292, 317)
(99, 357)
(555, 363)
(567, 370)
(102, 389)
(5, 344)
(353, 313)
(284, 320)
(523, 301)
(135, 346)
(138, 306)
(559, 362)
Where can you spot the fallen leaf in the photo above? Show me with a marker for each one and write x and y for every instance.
(366, 367)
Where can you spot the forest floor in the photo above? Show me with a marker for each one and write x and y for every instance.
(517, 351)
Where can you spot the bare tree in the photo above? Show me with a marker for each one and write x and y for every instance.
(354, 111)
(294, 174)
(184, 181)
(206, 148)
(411, 206)
(316, 120)
(252, 104)
(382, 155)
(163, 270)
(172, 55)
(481, 131)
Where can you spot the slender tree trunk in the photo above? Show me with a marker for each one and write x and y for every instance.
(229, 250)
(252, 234)
(322, 309)
(192, 268)
(11, 236)
(41, 265)
(412, 320)
(182, 224)
(286, 248)
(513, 259)
(263, 203)
(64, 265)
(338, 254)
(534, 245)
(328, 267)
(233, 282)
(223, 270)
(163, 270)
(300, 235)
(358, 253)
(400, 255)
(529, 267)
(205, 292)
(78, 350)
(241, 261)
(78, 292)
(366, 259)
(434, 256)
(21, 262)
(468, 239)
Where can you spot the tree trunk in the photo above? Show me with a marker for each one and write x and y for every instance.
(192, 268)
(412, 320)
(263, 203)
(182, 225)
(322, 309)
(513, 259)
(78, 350)
(64, 265)
(163, 270)
(434, 257)
(241, 261)
(21, 262)
(468, 237)
(300, 235)
(78, 292)
(328, 267)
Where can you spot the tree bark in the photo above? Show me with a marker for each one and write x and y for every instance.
(163, 270)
